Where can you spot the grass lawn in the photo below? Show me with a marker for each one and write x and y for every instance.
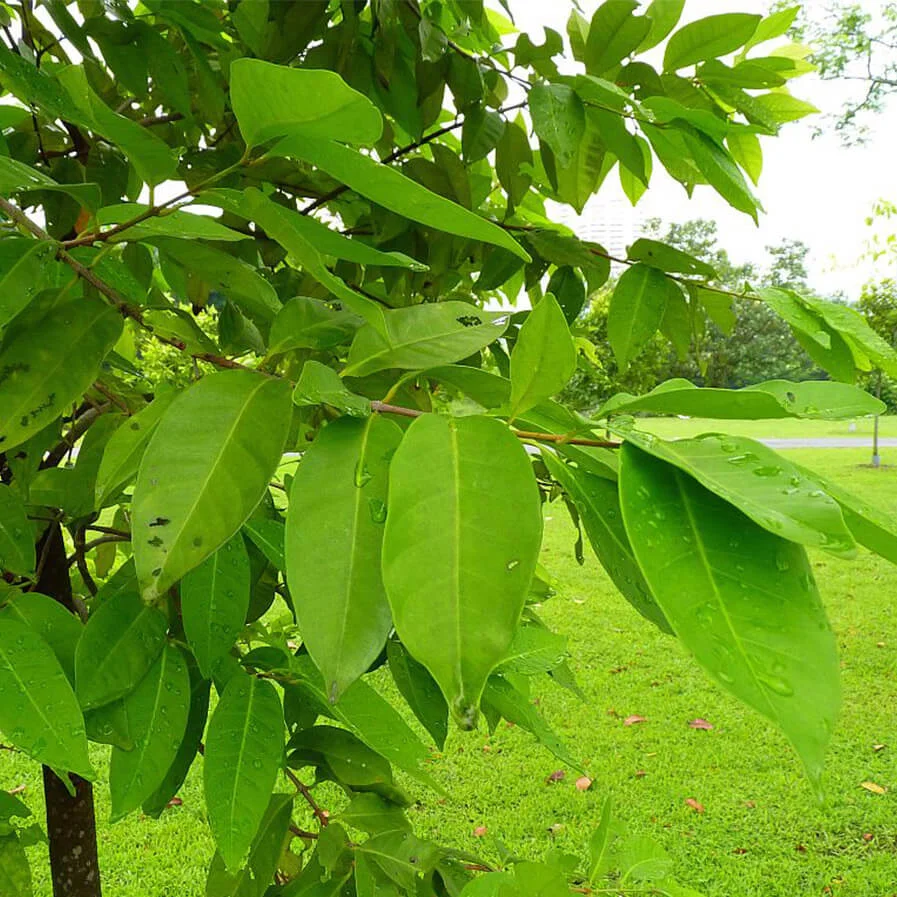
(761, 833)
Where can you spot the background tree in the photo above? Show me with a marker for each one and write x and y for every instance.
(351, 185)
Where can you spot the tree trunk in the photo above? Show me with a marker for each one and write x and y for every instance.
(71, 821)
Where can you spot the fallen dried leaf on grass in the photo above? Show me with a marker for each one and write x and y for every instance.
(635, 718)
(875, 789)
(696, 805)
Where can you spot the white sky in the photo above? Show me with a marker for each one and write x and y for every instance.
(815, 190)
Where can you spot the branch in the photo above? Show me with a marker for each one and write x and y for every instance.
(79, 558)
(321, 815)
(82, 547)
(76, 431)
(557, 439)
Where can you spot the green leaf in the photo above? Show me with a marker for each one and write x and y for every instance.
(156, 803)
(157, 713)
(709, 38)
(783, 108)
(11, 807)
(15, 873)
(668, 258)
(451, 481)
(580, 179)
(394, 191)
(664, 16)
(642, 859)
(601, 841)
(109, 724)
(597, 501)
(177, 223)
(544, 356)
(512, 155)
(338, 504)
(480, 134)
(59, 628)
(264, 855)
(636, 310)
(306, 323)
(423, 336)
(485, 388)
(774, 25)
(534, 650)
(370, 813)
(267, 534)
(567, 287)
(16, 535)
(244, 749)
(38, 710)
(281, 225)
(558, 118)
(420, 690)
(278, 101)
(613, 34)
(121, 641)
(321, 385)
(151, 157)
(125, 448)
(812, 399)
(50, 362)
(747, 152)
(214, 602)
(25, 266)
(16, 177)
(223, 272)
(761, 483)
(206, 467)
(742, 600)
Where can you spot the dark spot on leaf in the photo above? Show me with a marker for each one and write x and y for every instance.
(469, 320)
(155, 542)
(24, 421)
(135, 425)
(197, 541)
(791, 396)
(157, 571)
(159, 521)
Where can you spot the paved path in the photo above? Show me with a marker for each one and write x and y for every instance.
(830, 442)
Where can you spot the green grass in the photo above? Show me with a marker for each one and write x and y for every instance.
(786, 428)
(761, 835)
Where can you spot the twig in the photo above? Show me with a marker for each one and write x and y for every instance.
(321, 815)
(109, 531)
(81, 561)
(118, 402)
(75, 432)
(82, 549)
(301, 833)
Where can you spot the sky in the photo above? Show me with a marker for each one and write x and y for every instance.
(813, 189)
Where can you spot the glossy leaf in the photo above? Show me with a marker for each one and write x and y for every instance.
(534, 650)
(267, 534)
(321, 385)
(450, 482)
(277, 100)
(157, 713)
(597, 501)
(181, 224)
(244, 748)
(709, 38)
(664, 16)
(423, 336)
(813, 399)
(754, 621)
(206, 467)
(636, 310)
(25, 268)
(52, 361)
(121, 641)
(544, 356)
(38, 710)
(558, 118)
(420, 690)
(338, 506)
(16, 535)
(394, 191)
(214, 600)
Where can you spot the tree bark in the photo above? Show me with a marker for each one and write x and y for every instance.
(71, 821)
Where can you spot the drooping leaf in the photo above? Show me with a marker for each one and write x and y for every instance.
(244, 749)
(709, 38)
(38, 711)
(206, 467)
(543, 358)
(50, 362)
(423, 336)
(338, 505)
(393, 190)
(420, 690)
(121, 641)
(277, 100)
(214, 600)
(451, 481)
(157, 713)
(754, 620)
(16, 535)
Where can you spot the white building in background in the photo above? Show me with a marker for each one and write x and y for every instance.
(608, 218)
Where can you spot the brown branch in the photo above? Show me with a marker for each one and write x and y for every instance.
(321, 815)
(160, 119)
(78, 428)
(109, 531)
(82, 548)
(301, 833)
(81, 561)
(118, 402)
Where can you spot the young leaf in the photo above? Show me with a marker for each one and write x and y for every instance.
(244, 749)
(50, 362)
(157, 713)
(121, 641)
(709, 38)
(38, 710)
(543, 358)
(452, 480)
(420, 690)
(338, 505)
(278, 100)
(423, 336)
(214, 600)
(16, 535)
(742, 600)
(394, 191)
(205, 469)
(636, 310)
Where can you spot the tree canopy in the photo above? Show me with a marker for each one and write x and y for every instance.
(332, 211)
